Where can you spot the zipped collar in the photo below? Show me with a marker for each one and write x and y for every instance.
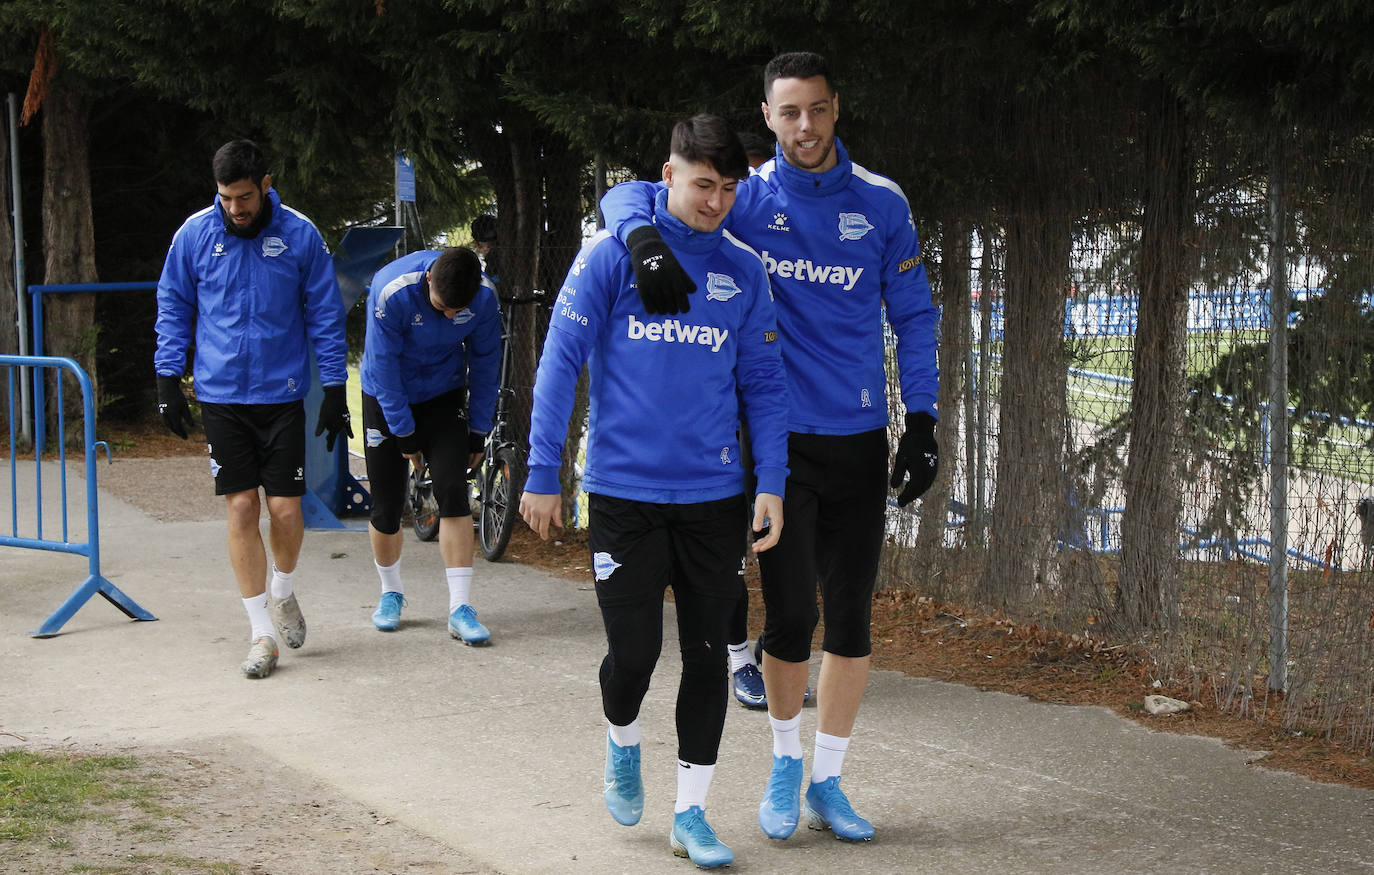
(804, 182)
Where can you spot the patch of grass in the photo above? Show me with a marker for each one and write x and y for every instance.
(47, 798)
(40, 793)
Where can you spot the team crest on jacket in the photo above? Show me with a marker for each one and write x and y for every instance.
(853, 226)
(720, 287)
(463, 315)
(273, 246)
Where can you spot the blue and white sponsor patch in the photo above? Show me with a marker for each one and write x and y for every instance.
(853, 226)
(373, 437)
(720, 287)
(604, 565)
(273, 246)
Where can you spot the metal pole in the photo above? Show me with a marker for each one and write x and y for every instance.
(1278, 422)
(20, 306)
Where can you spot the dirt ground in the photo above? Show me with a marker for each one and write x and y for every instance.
(208, 817)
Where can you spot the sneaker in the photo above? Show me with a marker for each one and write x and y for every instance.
(388, 614)
(781, 806)
(286, 617)
(828, 808)
(624, 793)
(758, 660)
(749, 687)
(261, 659)
(692, 837)
(463, 624)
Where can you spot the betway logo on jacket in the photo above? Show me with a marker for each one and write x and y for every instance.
(673, 331)
(806, 270)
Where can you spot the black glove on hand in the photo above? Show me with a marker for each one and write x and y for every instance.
(917, 455)
(333, 416)
(408, 444)
(477, 443)
(171, 403)
(663, 284)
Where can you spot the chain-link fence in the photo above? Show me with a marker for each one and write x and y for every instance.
(1263, 600)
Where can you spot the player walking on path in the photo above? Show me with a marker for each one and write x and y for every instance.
(840, 245)
(251, 282)
(663, 474)
(433, 343)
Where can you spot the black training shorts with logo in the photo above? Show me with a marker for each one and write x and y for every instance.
(254, 445)
(834, 515)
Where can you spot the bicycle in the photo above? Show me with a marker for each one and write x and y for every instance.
(494, 486)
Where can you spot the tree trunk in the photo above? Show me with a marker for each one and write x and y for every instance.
(68, 233)
(1148, 588)
(9, 317)
(953, 359)
(1031, 421)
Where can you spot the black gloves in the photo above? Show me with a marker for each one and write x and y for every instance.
(663, 284)
(171, 403)
(333, 415)
(408, 444)
(917, 455)
(477, 443)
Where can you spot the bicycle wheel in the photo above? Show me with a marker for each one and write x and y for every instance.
(499, 493)
(424, 507)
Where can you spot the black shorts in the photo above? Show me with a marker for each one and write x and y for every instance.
(254, 445)
(639, 548)
(441, 433)
(834, 515)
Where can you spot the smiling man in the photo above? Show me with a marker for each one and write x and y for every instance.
(250, 281)
(664, 477)
(839, 243)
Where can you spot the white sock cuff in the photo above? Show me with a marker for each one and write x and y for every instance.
(281, 583)
(790, 725)
(832, 742)
(390, 576)
(625, 736)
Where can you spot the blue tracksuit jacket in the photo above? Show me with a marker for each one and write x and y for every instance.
(251, 305)
(412, 353)
(664, 404)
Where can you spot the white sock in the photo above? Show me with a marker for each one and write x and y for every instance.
(459, 587)
(740, 656)
(626, 736)
(693, 781)
(828, 758)
(786, 737)
(281, 583)
(258, 619)
(391, 577)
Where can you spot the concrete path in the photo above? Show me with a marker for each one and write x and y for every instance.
(497, 752)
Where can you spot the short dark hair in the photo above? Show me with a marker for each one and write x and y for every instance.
(710, 138)
(239, 159)
(484, 229)
(755, 145)
(456, 275)
(794, 65)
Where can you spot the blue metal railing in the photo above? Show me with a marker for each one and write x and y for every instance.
(38, 366)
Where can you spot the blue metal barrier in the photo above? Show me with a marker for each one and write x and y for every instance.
(95, 582)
